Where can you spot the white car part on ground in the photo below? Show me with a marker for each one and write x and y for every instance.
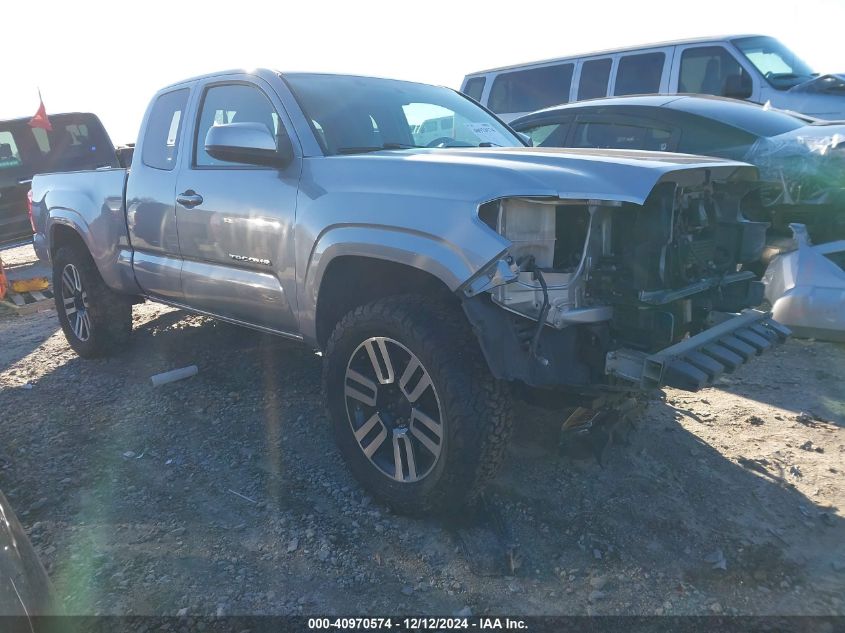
(806, 288)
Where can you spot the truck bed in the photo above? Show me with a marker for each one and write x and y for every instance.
(93, 204)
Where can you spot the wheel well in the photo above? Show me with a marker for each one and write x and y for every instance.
(62, 235)
(352, 281)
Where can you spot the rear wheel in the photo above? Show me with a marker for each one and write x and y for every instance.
(417, 415)
(96, 320)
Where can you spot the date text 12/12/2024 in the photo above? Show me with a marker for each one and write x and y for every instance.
(417, 624)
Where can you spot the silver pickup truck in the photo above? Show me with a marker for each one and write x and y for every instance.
(437, 276)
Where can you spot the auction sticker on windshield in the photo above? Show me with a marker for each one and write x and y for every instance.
(488, 134)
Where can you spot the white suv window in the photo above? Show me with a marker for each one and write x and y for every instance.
(639, 74)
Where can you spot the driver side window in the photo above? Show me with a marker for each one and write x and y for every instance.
(712, 70)
(233, 103)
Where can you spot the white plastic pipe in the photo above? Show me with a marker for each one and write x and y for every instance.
(173, 375)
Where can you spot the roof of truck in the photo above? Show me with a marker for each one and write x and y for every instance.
(27, 119)
(611, 51)
(268, 74)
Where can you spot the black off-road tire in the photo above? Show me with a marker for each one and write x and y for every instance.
(109, 313)
(475, 407)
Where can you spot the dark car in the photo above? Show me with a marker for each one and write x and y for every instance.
(25, 589)
(801, 159)
(77, 141)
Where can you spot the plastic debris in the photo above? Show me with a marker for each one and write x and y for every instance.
(717, 559)
(173, 375)
(804, 166)
(238, 494)
(35, 284)
(806, 288)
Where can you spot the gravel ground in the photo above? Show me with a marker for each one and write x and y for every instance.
(224, 494)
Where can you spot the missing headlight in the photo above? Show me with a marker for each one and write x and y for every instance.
(530, 226)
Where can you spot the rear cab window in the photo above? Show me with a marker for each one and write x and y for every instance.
(639, 73)
(9, 154)
(76, 142)
(531, 89)
(164, 130)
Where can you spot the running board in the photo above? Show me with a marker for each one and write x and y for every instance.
(699, 360)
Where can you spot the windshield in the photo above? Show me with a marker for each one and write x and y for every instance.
(779, 65)
(358, 114)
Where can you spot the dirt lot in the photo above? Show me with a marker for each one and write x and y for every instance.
(224, 494)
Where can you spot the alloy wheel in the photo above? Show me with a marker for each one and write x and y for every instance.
(75, 303)
(393, 409)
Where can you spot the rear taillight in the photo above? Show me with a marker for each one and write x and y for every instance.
(29, 210)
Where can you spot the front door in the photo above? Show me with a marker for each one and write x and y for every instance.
(236, 221)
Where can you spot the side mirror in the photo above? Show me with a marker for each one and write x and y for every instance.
(248, 143)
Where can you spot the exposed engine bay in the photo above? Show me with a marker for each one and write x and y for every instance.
(593, 277)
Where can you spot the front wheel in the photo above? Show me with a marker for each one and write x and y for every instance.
(96, 320)
(417, 415)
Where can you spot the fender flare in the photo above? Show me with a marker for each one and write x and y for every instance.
(429, 253)
(114, 262)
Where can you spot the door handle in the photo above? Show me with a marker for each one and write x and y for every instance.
(189, 199)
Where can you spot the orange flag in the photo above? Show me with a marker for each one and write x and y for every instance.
(40, 119)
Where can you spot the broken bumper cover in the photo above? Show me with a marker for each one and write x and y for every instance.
(699, 360)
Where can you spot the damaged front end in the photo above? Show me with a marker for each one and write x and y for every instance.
(599, 295)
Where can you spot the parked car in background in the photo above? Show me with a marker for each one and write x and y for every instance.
(753, 67)
(433, 279)
(77, 141)
(25, 589)
(801, 159)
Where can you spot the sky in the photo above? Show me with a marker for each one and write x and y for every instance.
(110, 57)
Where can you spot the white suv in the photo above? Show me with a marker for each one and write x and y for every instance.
(753, 67)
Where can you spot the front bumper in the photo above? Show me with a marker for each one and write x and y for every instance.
(699, 360)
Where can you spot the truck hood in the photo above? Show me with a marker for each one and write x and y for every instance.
(833, 83)
(822, 97)
(482, 173)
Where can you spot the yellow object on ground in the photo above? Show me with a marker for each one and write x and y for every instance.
(4, 284)
(30, 285)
